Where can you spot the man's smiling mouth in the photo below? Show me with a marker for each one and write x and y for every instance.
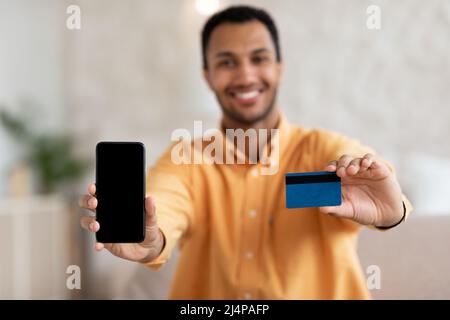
(247, 96)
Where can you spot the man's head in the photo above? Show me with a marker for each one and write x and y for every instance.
(242, 62)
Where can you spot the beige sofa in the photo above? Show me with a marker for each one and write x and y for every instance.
(413, 259)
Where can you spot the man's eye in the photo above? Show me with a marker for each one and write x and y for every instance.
(259, 59)
(227, 63)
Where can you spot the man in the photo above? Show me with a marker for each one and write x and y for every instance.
(238, 240)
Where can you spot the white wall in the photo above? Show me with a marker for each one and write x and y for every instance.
(134, 73)
(31, 70)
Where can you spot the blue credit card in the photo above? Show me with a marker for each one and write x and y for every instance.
(313, 189)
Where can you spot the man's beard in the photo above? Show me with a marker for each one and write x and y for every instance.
(236, 116)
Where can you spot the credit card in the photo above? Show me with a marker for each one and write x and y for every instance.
(312, 189)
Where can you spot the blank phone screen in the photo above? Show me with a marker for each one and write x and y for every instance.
(120, 191)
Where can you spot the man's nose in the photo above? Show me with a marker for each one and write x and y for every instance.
(246, 74)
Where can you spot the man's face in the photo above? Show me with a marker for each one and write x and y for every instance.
(243, 70)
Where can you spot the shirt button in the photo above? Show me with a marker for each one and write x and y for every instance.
(247, 296)
(252, 213)
(249, 255)
(255, 172)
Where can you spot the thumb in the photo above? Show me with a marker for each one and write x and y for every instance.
(150, 211)
(336, 211)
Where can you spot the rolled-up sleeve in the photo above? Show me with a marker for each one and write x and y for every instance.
(169, 184)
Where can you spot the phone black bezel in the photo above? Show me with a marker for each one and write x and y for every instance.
(142, 236)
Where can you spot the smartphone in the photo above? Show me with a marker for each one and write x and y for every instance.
(120, 191)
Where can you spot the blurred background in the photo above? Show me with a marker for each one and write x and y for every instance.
(133, 72)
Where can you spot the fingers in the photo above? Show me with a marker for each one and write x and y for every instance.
(367, 161)
(350, 166)
(88, 202)
(353, 167)
(100, 246)
(342, 165)
(92, 189)
(331, 166)
(89, 224)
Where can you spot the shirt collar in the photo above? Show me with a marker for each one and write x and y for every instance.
(274, 149)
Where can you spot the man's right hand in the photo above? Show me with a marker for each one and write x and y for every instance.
(145, 251)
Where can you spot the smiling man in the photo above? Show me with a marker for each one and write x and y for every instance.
(243, 68)
(237, 238)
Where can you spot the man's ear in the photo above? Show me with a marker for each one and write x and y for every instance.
(206, 77)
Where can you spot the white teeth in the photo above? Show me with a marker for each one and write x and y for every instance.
(247, 95)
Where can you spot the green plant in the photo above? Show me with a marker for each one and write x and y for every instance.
(50, 155)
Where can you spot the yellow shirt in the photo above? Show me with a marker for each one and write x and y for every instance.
(237, 238)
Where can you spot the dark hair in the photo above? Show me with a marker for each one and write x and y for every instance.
(239, 14)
